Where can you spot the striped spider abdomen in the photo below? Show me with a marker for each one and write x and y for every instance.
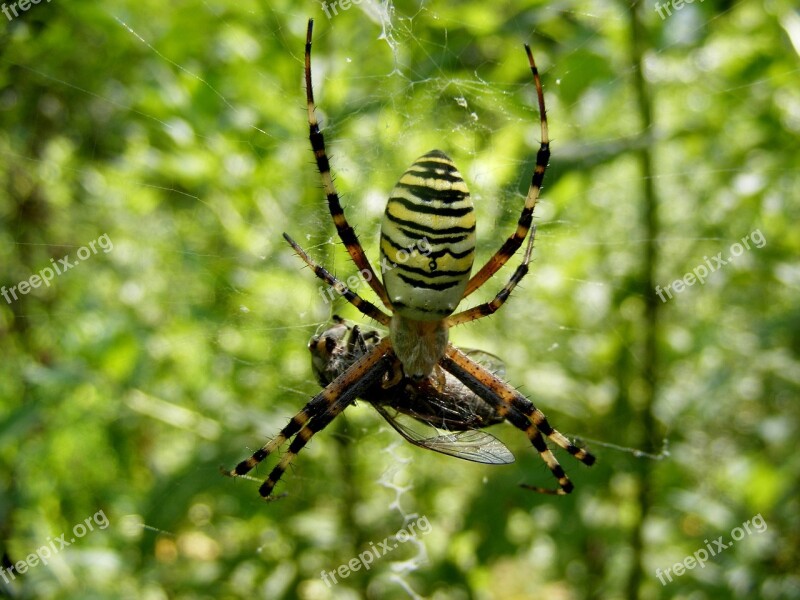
(428, 239)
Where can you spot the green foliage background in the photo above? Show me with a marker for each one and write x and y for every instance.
(179, 131)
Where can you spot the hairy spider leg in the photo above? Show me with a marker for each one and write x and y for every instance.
(512, 244)
(519, 411)
(319, 412)
(343, 228)
(366, 308)
(489, 308)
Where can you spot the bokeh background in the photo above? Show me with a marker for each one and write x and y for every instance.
(178, 131)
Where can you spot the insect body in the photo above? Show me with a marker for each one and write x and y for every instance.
(415, 369)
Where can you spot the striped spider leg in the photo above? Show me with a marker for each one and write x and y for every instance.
(427, 249)
(343, 228)
(519, 411)
(319, 412)
(514, 241)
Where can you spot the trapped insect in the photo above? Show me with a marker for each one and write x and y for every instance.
(453, 407)
(415, 366)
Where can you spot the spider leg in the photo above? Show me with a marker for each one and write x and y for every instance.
(366, 308)
(319, 412)
(512, 244)
(356, 341)
(488, 308)
(519, 411)
(343, 228)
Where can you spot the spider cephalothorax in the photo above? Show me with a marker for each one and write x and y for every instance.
(428, 239)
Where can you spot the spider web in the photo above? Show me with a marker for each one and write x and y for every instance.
(380, 72)
(469, 131)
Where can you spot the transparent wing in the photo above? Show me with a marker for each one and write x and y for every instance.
(473, 445)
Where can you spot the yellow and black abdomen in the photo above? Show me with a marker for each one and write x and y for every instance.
(428, 239)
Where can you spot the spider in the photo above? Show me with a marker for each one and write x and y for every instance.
(430, 204)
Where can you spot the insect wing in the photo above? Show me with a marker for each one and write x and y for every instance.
(473, 445)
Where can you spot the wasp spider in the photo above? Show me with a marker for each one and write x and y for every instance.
(429, 206)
